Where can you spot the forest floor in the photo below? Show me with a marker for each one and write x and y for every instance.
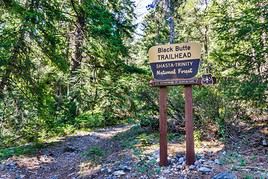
(132, 152)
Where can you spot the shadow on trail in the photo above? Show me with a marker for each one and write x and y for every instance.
(67, 157)
(248, 137)
(84, 155)
(103, 152)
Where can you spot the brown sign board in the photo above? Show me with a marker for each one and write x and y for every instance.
(175, 61)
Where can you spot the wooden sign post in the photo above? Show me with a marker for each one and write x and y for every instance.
(163, 125)
(172, 65)
(190, 154)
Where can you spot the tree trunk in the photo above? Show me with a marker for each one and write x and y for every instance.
(78, 44)
(77, 54)
(79, 37)
(169, 8)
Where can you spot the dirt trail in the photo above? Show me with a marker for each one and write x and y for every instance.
(63, 159)
(134, 154)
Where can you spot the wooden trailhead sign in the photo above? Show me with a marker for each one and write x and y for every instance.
(173, 65)
(175, 61)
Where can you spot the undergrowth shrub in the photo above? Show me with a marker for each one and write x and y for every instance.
(89, 120)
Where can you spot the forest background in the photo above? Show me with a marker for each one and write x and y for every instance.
(69, 65)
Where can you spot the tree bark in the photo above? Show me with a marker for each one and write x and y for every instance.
(79, 37)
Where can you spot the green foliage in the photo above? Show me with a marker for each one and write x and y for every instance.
(136, 136)
(60, 63)
(175, 137)
(94, 154)
(240, 54)
(197, 138)
(233, 158)
(147, 167)
(151, 123)
(88, 120)
(233, 34)
(67, 65)
(146, 139)
(137, 139)
(248, 177)
(17, 151)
